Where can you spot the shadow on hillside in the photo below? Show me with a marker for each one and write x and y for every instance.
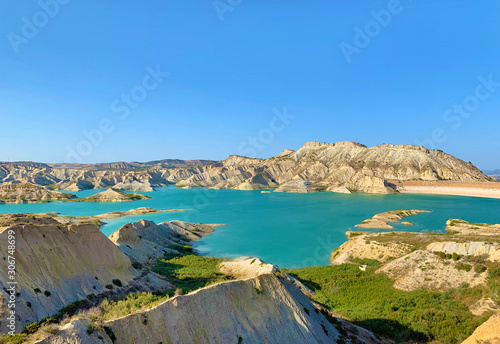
(311, 285)
(393, 329)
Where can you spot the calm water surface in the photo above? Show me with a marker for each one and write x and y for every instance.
(289, 230)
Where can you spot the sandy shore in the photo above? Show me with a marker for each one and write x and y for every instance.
(479, 189)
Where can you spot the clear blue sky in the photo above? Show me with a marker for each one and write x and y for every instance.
(226, 77)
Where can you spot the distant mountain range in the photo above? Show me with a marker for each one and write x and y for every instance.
(119, 165)
(339, 167)
(495, 173)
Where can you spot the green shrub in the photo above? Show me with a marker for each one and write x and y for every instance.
(494, 273)
(37, 290)
(117, 282)
(133, 302)
(191, 272)
(136, 265)
(455, 256)
(494, 278)
(479, 268)
(463, 266)
(47, 293)
(91, 328)
(13, 339)
(366, 261)
(31, 328)
(109, 286)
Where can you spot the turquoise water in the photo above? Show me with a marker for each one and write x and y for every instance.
(290, 230)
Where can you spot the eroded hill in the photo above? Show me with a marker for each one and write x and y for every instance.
(339, 167)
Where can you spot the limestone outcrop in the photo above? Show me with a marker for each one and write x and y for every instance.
(425, 270)
(58, 264)
(145, 241)
(368, 246)
(488, 250)
(247, 267)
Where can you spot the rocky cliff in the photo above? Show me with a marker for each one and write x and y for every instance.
(145, 241)
(58, 264)
(339, 167)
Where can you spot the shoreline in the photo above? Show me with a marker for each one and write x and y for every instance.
(451, 188)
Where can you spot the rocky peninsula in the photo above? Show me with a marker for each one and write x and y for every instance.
(30, 193)
(112, 195)
(382, 220)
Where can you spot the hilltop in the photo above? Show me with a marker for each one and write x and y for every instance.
(30, 193)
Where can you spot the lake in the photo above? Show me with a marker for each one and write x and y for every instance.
(286, 229)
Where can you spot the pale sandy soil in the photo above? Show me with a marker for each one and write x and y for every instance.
(474, 189)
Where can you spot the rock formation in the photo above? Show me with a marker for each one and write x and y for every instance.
(338, 167)
(112, 195)
(58, 264)
(30, 193)
(466, 228)
(428, 261)
(423, 269)
(381, 221)
(145, 241)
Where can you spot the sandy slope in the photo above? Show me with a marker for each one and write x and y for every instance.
(475, 189)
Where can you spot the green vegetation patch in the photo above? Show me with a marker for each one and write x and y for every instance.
(370, 301)
(182, 249)
(133, 302)
(191, 272)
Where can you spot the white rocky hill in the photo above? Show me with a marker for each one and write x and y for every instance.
(340, 167)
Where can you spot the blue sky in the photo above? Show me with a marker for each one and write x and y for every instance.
(227, 79)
